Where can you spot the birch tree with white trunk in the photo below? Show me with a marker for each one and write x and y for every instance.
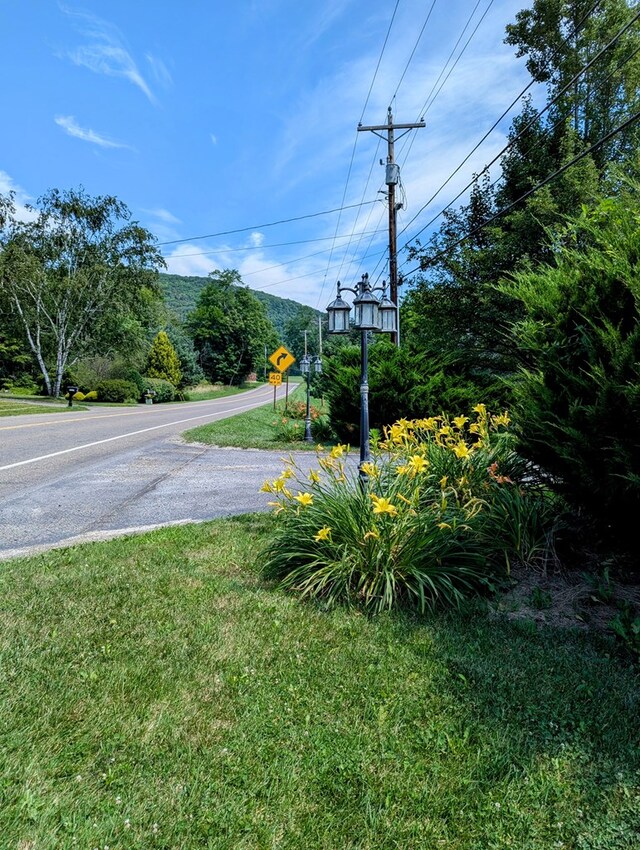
(61, 274)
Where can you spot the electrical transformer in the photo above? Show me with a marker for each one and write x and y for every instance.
(393, 174)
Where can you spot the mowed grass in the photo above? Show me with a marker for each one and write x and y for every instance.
(156, 694)
(254, 429)
(9, 407)
(206, 392)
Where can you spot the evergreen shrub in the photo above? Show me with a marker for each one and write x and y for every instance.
(401, 384)
(577, 394)
(164, 390)
(134, 377)
(163, 361)
(116, 390)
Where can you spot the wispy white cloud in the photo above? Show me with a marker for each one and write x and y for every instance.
(72, 128)
(214, 139)
(107, 54)
(159, 70)
(192, 260)
(163, 215)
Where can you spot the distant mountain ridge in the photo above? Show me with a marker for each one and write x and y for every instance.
(181, 294)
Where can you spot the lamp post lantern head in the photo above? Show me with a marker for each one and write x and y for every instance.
(366, 307)
(338, 312)
(305, 364)
(317, 365)
(388, 313)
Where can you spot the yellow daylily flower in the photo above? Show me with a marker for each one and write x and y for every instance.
(502, 419)
(480, 409)
(461, 450)
(418, 464)
(305, 499)
(383, 506)
(397, 432)
(403, 470)
(314, 477)
(266, 487)
(459, 421)
(370, 469)
(429, 424)
(337, 451)
(323, 534)
(443, 481)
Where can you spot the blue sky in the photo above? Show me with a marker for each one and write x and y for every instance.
(206, 117)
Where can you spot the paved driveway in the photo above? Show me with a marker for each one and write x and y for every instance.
(64, 482)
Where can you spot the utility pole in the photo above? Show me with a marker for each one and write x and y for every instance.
(392, 178)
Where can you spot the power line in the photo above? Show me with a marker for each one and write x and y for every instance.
(538, 114)
(427, 106)
(576, 29)
(375, 156)
(415, 47)
(268, 224)
(225, 250)
(355, 141)
(529, 192)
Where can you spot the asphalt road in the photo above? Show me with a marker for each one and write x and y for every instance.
(87, 475)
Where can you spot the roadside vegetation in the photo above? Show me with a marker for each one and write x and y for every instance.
(445, 508)
(156, 693)
(226, 685)
(11, 407)
(266, 428)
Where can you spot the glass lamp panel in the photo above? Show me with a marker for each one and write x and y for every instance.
(366, 308)
(338, 312)
(317, 365)
(304, 365)
(388, 316)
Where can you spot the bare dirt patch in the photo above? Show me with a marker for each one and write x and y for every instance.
(565, 599)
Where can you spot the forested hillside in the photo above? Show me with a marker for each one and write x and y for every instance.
(181, 294)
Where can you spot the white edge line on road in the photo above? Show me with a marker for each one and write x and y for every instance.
(118, 437)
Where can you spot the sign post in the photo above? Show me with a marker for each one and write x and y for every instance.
(281, 359)
(275, 378)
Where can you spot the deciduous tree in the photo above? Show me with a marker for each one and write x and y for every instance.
(229, 328)
(80, 262)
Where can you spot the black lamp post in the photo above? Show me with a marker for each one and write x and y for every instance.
(371, 314)
(306, 365)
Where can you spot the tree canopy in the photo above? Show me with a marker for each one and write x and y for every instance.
(230, 329)
(79, 272)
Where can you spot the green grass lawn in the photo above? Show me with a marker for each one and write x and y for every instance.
(206, 392)
(255, 429)
(156, 694)
(11, 407)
